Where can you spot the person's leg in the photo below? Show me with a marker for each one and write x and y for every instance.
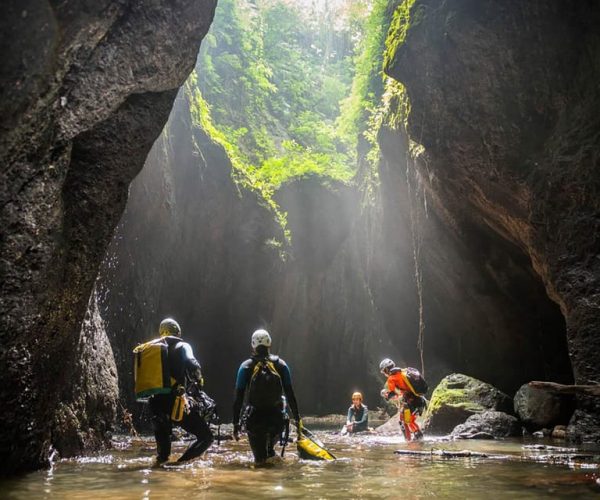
(275, 429)
(258, 443)
(161, 423)
(258, 436)
(194, 424)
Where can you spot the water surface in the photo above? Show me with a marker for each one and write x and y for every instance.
(367, 468)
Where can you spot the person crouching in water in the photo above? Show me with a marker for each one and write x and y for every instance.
(410, 403)
(358, 416)
(263, 381)
(185, 371)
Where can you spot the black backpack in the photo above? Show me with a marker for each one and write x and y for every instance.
(416, 380)
(265, 389)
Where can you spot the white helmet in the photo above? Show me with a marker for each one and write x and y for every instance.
(169, 327)
(261, 337)
(386, 364)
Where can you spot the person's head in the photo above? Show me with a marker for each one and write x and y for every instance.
(386, 365)
(169, 327)
(261, 342)
(357, 399)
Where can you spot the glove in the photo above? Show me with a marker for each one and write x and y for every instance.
(236, 432)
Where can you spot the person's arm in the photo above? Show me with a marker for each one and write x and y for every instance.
(286, 379)
(193, 370)
(240, 387)
(349, 417)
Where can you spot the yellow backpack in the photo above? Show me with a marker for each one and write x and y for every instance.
(151, 369)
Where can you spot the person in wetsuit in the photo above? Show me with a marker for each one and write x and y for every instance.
(410, 403)
(185, 373)
(263, 394)
(358, 415)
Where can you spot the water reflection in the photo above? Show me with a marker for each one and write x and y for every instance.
(368, 468)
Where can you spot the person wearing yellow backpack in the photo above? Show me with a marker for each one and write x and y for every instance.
(265, 383)
(165, 371)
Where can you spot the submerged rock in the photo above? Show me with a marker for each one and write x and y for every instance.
(538, 408)
(459, 396)
(488, 425)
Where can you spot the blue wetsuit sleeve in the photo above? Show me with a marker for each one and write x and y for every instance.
(286, 375)
(349, 417)
(241, 381)
(242, 377)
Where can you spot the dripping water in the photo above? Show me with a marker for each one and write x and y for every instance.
(416, 192)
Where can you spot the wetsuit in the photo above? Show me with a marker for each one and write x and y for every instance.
(359, 418)
(264, 425)
(183, 366)
(397, 386)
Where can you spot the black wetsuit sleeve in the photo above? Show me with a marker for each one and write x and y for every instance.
(193, 370)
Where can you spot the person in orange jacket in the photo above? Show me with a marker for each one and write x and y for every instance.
(411, 404)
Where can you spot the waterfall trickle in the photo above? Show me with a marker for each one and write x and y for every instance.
(417, 199)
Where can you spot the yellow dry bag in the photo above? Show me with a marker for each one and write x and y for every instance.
(151, 369)
(179, 408)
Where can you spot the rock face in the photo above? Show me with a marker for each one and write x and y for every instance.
(194, 246)
(85, 91)
(538, 408)
(489, 424)
(456, 398)
(503, 100)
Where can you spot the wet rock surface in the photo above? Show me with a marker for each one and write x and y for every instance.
(85, 91)
(538, 408)
(458, 397)
(488, 425)
(510, 146)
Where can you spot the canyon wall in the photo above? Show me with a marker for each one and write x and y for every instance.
(503, 98)
(86, 89)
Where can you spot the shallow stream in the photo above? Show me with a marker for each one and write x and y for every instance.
(366, 468)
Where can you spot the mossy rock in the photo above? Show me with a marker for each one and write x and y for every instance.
(459, 396)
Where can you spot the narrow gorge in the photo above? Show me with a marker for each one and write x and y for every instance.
(446, 214)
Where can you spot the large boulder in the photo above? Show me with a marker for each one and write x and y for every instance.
(487, 425)
(459, 396)
(538, 408)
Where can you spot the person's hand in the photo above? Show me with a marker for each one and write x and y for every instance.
(349, 427)
(236, 432)
(384, 393)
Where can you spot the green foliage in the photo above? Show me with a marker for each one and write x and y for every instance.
(298, 162)
(398, 28)
(243, 173)
(367, 85)
(288, 91)
(274, 76)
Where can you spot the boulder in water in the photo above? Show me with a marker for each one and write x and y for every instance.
(488, 425)
(538, 408)
(459, 396)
